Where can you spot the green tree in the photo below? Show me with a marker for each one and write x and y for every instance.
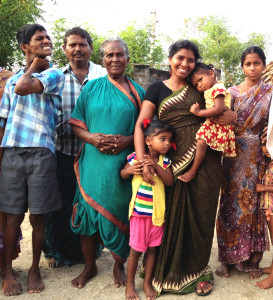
(58, 29)
(221, 47)
(13, 15)
(144, 46)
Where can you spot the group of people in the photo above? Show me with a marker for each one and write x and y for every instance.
(99, 162)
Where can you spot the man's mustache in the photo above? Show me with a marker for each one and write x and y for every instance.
(78, 53)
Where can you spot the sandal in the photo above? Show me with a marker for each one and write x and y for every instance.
(202, 284)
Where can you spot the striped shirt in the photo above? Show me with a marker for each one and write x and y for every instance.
(67, 142)
(144, 197)
(30, 121)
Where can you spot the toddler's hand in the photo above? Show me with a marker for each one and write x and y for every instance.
(195, 108)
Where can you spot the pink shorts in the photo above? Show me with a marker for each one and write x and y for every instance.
(144, 234)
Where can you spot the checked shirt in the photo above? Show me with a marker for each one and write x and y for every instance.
(67, 142)
(31, 120)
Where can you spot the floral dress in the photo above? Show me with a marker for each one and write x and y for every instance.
(218, 137)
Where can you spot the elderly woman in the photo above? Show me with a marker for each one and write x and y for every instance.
(104, 118)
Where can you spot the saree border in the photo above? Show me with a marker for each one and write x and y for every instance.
(135, 92)
(186, 285)
(99, 208)
(177, 97)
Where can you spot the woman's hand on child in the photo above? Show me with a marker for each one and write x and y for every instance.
(260, 187)
(148, 161)
(227, 117)
(195, 108)
(147, 174)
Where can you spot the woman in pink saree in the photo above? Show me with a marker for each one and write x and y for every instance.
(241, 225)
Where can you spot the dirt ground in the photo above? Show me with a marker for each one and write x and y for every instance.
(57, 281)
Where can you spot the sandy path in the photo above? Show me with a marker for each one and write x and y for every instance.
(57, 281)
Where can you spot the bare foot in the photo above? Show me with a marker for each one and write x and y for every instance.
(255, 274)
(188, 176)
(223, 271)
(87, 273)
(119, 275)
(35, 283)
(16, 274)
(130, 292)
(203, 288)
(266, 270)
(53, 264)
(11, 286)
(150, 293)
(265, 284)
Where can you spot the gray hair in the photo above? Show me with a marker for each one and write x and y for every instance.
(110, 40)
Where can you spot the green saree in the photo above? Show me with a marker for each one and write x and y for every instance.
(190, 207)
(102, 199)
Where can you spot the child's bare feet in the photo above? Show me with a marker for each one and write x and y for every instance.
(188, 176)
(119, 275)
(265, 284)
(259, 187)
(130, 292)
(53, 264)
(35, 283)
(150, 293)
(223, 271)
(87, 273)
(11, 286)
(255, 274)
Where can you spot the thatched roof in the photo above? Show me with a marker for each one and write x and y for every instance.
(268, 73)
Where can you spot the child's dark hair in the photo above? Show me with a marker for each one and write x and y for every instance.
(155, 127)
(201, 68)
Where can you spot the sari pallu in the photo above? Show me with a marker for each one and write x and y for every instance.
(241, 225)
(102, 198)
(191, 207)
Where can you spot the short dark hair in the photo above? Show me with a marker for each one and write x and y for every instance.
(184, 44)
(78, 31)
(253, 49)
(26, 32)
(201, 68)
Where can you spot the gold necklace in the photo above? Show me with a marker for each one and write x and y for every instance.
(171, 85)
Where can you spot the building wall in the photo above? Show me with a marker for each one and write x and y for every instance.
(145, 76)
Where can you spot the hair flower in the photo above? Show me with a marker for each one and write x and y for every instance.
(146, 122)
(173, 145)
